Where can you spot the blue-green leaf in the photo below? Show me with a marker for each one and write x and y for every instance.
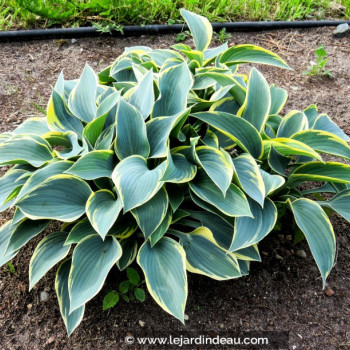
(164, 267)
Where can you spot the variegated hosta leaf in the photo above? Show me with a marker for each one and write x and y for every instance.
(178, 169)
(174, 84)
(256, 106)
(23, 233)
(311, 114)
(289, 147)
(39, 176)
(251, 54)
(102, 209)
(47, 254)
(135, 183)
(61, 197)
(318, 230)
(68, 140)
(324, 142)
(108, 108)
(236, 129)
(8, 183)
(82, 99)
(200, 28)
(277, 162)
(271, 182)
(129, 248)
(249, 231)
(32, 126)
(151, 214)
(71, 319)
(142, 95)
(323, 122)
(233, 204)
(160, 56)
(212, 53)
(221, 229)
(250, 253)
(80, 230)
(5, 235)
(204, 256)
(131, 138)
(94, 165)
(164, 267)
(317, 171)
(217, 163)
(59, 118)
(162, 228)
(249, 177)
(158, 131)
(278, 99)
(340, 203)
(292, 123)
(93, 130)
(92, 260)
(25, 149)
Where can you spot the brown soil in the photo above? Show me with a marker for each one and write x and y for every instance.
(284, 292)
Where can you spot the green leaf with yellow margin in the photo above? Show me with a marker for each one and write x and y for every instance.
(46, 255)
(233, 204)
(135, 183)
(102, 209)
(318, 230)
(91, 262)
(71, 319)
(236, 129)
(61, 197)
(251, 54)
(164, 267)
(205, 257)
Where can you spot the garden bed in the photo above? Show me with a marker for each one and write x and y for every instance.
(284, 292)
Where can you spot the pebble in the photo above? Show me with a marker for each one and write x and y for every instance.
(341, 30)
(301, 253)
(142, 323)
(50, 340)
(221, 325)
(29, 306)
(329, 292)
(186, 318)
(73, 41)
(278, 257)
(44, 296)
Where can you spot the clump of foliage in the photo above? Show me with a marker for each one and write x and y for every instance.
(171, 158)
(128, 290)
(319, 67)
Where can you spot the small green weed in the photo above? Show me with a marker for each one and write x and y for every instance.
(222, 36)
(318, 67)
(129, 290)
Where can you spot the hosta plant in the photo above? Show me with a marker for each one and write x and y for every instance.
(172, 158)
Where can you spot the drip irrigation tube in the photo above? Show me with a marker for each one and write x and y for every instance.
(155, 29)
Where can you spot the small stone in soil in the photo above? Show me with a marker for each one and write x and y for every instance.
(44, 296)
(29, 306)
(278, 257)
(221, 325)
(341, 30)
(142, 323)
(186, 318)
(329, 292)
(50, 340)
(73, 41)
(301, 253)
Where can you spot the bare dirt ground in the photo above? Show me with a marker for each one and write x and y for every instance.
(283, 293)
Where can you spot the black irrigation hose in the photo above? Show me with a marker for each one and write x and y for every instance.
(155, 29)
